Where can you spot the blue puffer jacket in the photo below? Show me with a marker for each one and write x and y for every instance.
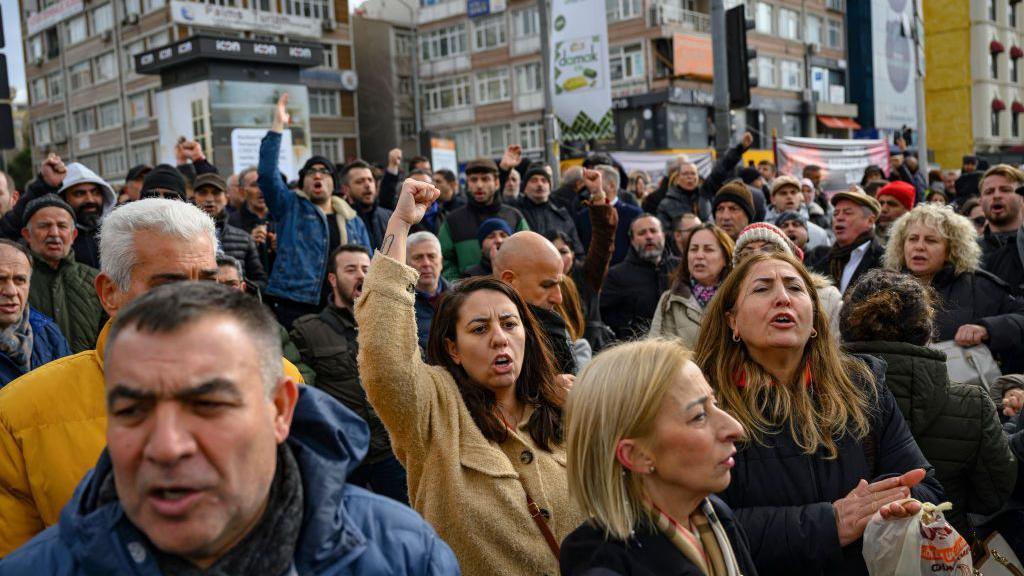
(345, 530)
(48, 344)
(303, 238)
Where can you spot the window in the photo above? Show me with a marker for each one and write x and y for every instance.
(319, 9)
(447, 94)
(130, 50)
(404, 85)
(159, 39)
(403, 44)
(138, 108)
(789, 24)
(77, 29)
(993, 64)
(489, 33)
(36, 50)
(991, 9)
(766, 72)
(132, 6)
(56, 84)
(1011, 16)
(443, 43)
(528, 78)
(52, 37)
(465, 143)
(199, 123)
(531, 136)
(81, 75)
(763, 18)
(626, 62)
(103, 18)
(328, 147)
(494, 139)
(142, 154)
(1014, 63)
(622, 9)
(791, 125)
(1015, 125)
(105, 67)
(525, 22)
(59, 129)
(38, 90)
(995, 123)
(113, 163)
(109, 114)
(814, 30)
(85, 120)
(407, 128)
(835, 34)
(150, 5)
(492, 86)
(791, 75)
(41, 131)
(323, 102)
(330, 56)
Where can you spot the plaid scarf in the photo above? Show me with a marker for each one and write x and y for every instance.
(709, 548)
(16, 342)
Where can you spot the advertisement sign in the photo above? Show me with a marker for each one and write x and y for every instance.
(245, 150)
(893, 58)
(442, 154)
(226, 17)
(52, 15)
(691, 56)
(476, 8)
(842, 161)
(579, 70)
(203, 47)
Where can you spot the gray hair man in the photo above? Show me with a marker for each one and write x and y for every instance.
(423, 253)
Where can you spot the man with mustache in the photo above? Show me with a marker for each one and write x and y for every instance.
(632, 290)
(1002, 244)
(62, 288)
(211, 197)
(91, 198)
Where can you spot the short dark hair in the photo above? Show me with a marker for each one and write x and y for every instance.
(171, 307)
(229, 260)
(811, 168)
(333, 258)
(417, 160)
(421, 171)
(886, 305)
(343, 173)
(447, 174)
(553, 235)
(19, 247)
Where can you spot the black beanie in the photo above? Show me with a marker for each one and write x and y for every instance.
(748, 175)
(737, 193)
(313, 161)
(46, 201)
(164, 176)
(536, 169)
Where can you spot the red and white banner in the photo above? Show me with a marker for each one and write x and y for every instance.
(842, 161)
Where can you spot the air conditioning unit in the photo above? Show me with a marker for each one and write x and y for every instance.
(130, 19)
(108, 35)
(328, 25)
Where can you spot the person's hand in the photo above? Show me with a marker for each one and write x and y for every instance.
(563, 384)
(1013, 401)
(272, 237)
(179, 154)
(53, 170)
(901, 143)
(854, 510)
(395, 159)
(281, 116)
(970, 335)
(259, 234)
(748, 139)
(512, 157)
(900, 509)
(592, 181)
(192, 151)
(414, 200)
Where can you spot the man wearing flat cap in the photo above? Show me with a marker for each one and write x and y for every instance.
(211, 196)
(856, 250)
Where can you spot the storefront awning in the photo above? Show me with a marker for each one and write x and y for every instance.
(839, 122)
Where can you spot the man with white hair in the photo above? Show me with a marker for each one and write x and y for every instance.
(48, 446)
(626, 212)
(423, 253)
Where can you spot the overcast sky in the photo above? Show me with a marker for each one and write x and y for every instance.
(13, 49)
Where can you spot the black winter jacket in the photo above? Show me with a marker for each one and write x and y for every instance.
(675, 202)
(955, 426)
(586, 551)
(1003, 256)
(237, 243)
(547, 217)
(784, 497)
(631, 293)
(376, 220)
(557, 334)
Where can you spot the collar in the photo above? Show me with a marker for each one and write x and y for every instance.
(101, 342)
(615, 201)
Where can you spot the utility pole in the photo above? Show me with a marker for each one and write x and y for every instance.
(721, 77)
(922, 118)
(550, 124)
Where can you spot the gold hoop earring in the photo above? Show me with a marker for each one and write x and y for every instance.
(814, 333)
(735, 337)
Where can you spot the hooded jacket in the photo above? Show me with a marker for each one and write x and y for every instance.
(47, 345)
(303, 239)
(87, 244)
(68, 296)
(345, 529)
(459, 246)
(48, 445)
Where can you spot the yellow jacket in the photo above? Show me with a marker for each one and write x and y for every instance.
(53, 426)
(467, 487)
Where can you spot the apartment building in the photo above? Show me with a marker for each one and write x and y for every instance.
(87, 103)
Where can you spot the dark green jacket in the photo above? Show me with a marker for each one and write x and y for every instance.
(68, 295)
(291, 353)
(955, 425)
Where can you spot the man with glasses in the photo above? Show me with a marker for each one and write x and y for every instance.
(1002, 245)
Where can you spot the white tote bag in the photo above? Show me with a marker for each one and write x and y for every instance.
(974, 365)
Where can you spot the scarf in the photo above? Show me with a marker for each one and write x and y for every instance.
(839, 257)
(16, 342)
(709, 548)
(703, 293)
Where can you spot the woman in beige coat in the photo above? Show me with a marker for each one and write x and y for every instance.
(707, 260)
(479, 429)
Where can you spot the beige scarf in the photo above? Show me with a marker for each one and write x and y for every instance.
(709, 549)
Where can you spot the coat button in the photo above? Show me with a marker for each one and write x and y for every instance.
(526, 457)
(544, 512)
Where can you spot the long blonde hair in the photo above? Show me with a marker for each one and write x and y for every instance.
(816, 415)
(617, 396)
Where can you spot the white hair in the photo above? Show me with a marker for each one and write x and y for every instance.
(420, 237)
(167, 217)
(609, 176)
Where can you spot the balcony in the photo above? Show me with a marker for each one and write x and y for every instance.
(525, 45)
(440, 11)
(446, 118)
(528, 102)
(671, 14)
(450, 65)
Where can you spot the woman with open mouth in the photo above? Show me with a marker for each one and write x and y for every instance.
(478, 426)
(828, 447)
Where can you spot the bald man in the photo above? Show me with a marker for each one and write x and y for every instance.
(532, 265)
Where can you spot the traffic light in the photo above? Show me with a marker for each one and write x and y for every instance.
(739, 56)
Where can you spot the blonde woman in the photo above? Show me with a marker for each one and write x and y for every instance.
(647, 446)
(828, 446)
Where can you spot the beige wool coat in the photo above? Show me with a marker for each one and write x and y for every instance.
(679, 317)
(467, 487)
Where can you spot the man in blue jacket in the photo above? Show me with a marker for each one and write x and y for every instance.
(220, 464)
(310, 224)
(28, 339)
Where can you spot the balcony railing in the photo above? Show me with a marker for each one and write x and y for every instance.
(662, 13)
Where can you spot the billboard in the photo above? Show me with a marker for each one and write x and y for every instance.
(579, 70)
(893, 60)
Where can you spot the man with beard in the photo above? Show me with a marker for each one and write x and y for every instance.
(329, 343)
(90, 197)
(458, 233)
(896, 199)
(448, 183)
(541, 214)
(359, 187)
(631, 291)
(211, 197)
(856, 250)
(62, 288)
(1002, 245)
(311, 223)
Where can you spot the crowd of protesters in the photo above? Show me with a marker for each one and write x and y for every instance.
(375, 369)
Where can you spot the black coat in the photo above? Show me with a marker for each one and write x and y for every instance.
(558, 339)
(376, 220)
(784, 497)
(237, 243)
(1003, 256)
(547, 217)
(586, 551)
(873, 258)
(981, 298)
(631, 293)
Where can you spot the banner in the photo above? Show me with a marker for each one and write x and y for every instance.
(579, 70)
(654, 162)
(52, 15)
(842, 161)
(246, 19)
(892, 57)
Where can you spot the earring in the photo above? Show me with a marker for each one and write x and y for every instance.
(735, 337)
(651, 469)
(814, 333)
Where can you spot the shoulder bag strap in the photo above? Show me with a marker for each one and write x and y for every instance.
(545, 530)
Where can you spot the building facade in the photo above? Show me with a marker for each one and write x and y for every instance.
(87, 103)
(974, 90)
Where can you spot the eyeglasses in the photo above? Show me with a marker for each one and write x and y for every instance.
(320, 171)
(979, 221)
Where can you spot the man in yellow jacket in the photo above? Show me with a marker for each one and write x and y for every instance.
(53, 419)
